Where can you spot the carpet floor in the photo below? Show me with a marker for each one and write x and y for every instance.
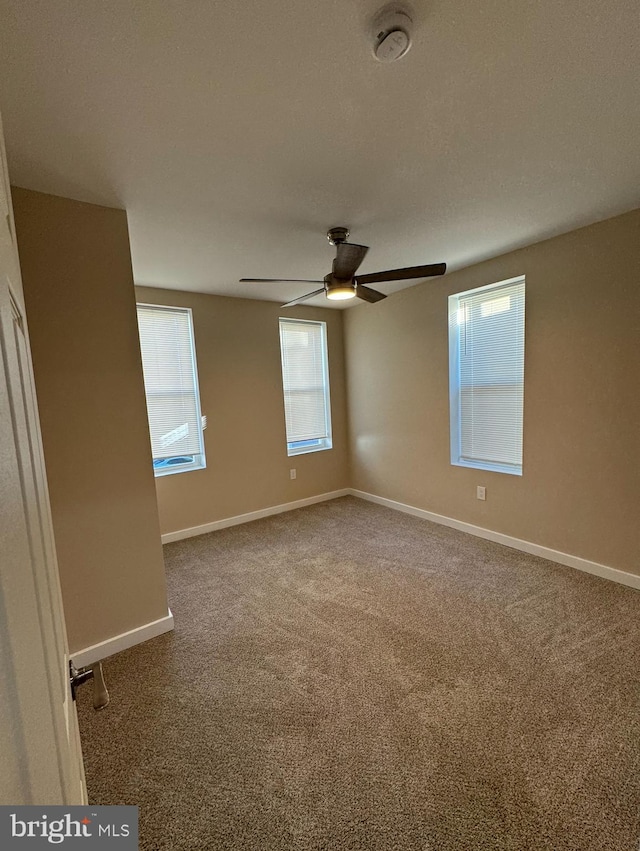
(347, 677)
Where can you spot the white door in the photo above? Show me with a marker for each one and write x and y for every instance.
(40, 754)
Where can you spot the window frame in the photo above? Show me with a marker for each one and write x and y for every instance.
(321, 443)
(457, 459)
(198, 460)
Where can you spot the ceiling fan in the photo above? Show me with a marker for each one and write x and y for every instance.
(342, 282)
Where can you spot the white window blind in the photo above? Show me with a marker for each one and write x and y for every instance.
(305, 382)
(486, 332)
(170, 381)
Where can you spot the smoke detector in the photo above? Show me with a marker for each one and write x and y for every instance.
(391, 30)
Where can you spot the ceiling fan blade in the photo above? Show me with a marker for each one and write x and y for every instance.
(348, 258)
(277, 281)
(404, 274)
(303, 298)
(368, 294)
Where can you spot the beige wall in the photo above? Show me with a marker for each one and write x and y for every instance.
(78, 285)
(238, 354)
(580, 491)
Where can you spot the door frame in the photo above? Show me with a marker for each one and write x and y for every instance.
(39, 737)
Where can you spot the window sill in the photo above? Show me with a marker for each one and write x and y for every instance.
(198, 464)
(305, 450)
(509, 469)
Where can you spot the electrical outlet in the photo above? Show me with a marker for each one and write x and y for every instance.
(481, 492)
(292, 474)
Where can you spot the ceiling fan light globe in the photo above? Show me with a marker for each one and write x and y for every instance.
(341, 293)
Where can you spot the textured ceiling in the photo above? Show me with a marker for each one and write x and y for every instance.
(236, 133)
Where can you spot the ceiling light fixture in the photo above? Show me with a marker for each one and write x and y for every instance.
(341, 292)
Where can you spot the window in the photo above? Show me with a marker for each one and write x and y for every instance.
(305, 379)
(171, 388)
(486, 376)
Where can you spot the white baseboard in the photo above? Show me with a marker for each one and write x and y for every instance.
(630, 579)
(122, 642)
(602, 570)
(193, 531)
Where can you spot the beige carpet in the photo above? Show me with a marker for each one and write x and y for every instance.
(348, 677)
